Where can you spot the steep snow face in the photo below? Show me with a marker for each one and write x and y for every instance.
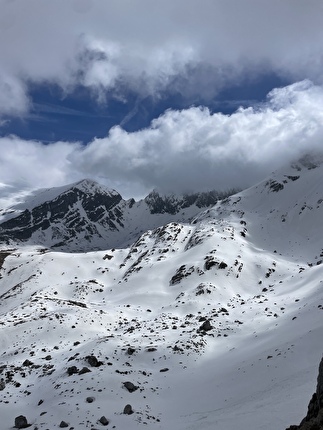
(216, 323)
(282, 213)
(86, 216)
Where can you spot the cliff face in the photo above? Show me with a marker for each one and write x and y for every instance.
(314, 416)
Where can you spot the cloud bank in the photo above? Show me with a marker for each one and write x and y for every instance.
(186, 46)
(187, 150)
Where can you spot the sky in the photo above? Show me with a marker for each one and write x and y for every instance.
(179, 95)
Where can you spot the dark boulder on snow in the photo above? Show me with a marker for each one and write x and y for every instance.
(104, 421)
(90, 399)
(206, 326)
(130, 386)
(84, 370)
(128, 410)
(21, 422)
(72, 370)
(93, 361)
(314, 416)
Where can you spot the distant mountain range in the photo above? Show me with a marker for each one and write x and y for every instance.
(87, 216)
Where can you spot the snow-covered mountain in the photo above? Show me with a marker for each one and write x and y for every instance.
(87, 216)
(211, 324)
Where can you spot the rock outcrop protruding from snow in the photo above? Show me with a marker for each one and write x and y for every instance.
(21, 422)
(314, 416)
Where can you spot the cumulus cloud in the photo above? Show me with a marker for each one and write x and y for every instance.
(29, 165)
(187, 150)
(194, 149)
(184, 45)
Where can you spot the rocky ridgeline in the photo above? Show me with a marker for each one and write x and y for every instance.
(314, 417)
(87, 216)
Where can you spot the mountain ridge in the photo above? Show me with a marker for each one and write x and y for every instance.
(86, 216)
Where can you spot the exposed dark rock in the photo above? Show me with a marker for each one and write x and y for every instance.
(181, 272)
(206, 326)
(84, 370)
(63, 424)
(104, 421)
(21, 422)
(90, 399)
(274, 185)
(314, 416)
(130, 350)
(130, 386)
(209, 263)
(2, 384)
(72, 370)
(173, 204)
(165, 369)
(93, 361)
(27, 363)
(128, 410)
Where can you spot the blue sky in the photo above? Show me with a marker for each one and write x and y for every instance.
(77, 116)
(180, 95)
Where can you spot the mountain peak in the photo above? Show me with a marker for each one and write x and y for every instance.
(90, 186)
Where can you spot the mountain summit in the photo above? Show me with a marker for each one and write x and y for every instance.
(87, 216)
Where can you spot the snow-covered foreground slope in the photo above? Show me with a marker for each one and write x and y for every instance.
(218, 323)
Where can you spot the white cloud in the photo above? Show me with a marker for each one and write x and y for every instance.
(193, 46)
(186, 150)
(13, 98)
(193, 149)
(30, 164)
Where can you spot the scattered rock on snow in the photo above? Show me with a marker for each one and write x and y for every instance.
(72, 370)
(206, 326)
(93, 361)
(21, 422)
(128, 410)
(84, 370)
(90, 399)
(104, 421)
(2, 384)
(130, 386)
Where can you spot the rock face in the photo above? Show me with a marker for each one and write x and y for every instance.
(172, 204)
(81, 208)
(314, 416)
(86, 216)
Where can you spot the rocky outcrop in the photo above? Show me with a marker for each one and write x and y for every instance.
(171, 204)
(314, 416)
(79, 209)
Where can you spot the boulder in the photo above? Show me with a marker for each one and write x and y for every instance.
(21, 422)
(104, 421)
(130, 386)
(128, 410)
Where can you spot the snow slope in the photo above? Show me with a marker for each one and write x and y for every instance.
(218, 323)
